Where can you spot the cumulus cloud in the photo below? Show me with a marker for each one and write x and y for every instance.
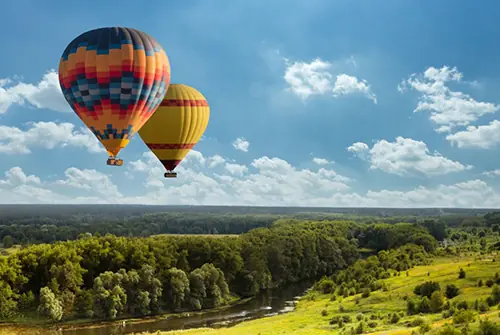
(90, 180)
(45, 94)
(316, 78)
(345, 84)
(241, 144)
(320, 161)
(406, 156)
(236, 169)
(46, 135)
(492, 173)
(484, 137)
(215, 160)
(448, 109)
(269, 181)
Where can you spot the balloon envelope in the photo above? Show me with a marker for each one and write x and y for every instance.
(114, 79)
(177, 125)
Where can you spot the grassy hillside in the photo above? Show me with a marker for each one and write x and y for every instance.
(315, 311)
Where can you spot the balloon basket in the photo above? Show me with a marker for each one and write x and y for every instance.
(170, 175)
(114, 162)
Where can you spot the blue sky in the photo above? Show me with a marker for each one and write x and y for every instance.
(326, 95)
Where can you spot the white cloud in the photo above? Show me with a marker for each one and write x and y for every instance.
(406, 156)
(47, 135)
(215, 160)
(90, 180)
(45, 94)
(315, 78)
(359, 149)
(241, 144)
(236, 169)
(484, 137)
(492, 173)
(320, 161)
(272, 182)
(306, 79)
(345, 84)
(448, 109)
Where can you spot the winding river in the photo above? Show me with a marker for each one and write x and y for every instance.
(270, 303)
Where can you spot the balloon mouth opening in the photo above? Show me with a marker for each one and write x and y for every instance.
(170, 164)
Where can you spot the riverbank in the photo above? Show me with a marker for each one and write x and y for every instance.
(313, 313)
(37, 326)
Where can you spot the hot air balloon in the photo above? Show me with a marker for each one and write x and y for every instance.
(176, 126)
(114, 79)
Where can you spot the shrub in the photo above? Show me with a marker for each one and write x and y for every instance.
(417, 322)
(463, 316)
(360, 328)
(394, 318)
(411, 307)
(424, 306)
(372, 324)
(449, 330)
(451, 291)
(489, 282)
(324, 312)
(426, 289)
(461, 274)
(366, 292)
(436, 302)
(424, 328)
(360, 317)
(480, 283)
(462, 305)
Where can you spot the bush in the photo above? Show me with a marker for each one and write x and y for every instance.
(451, 291)
(462, 305)
(394, 318)
(495, 294)
(461, 274)
(489, 282)
(417, 322)
(436, 302)
(487, 327)
(411, 307)
(463, 316)
(360, 328)
(424, 306)
(449, 330)
(424, 328)
(480, 283)
(426, 289)
(366, 292)
(341, 309)
(324, 312)
(372, 324)
(360, 317)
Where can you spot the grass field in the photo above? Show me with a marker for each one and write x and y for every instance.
(308, 318)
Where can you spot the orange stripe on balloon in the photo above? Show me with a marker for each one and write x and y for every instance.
(184, 103)
(164, 146)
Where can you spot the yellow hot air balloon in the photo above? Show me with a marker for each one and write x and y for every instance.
(176, 126)
(114, 78)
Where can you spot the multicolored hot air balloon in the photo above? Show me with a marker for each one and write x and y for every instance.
(176, 126)
(114, 79)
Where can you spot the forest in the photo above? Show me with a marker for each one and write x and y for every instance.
(100, 275)
(46, 224)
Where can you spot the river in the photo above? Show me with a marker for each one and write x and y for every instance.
(269, 303)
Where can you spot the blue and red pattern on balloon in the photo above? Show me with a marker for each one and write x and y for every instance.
(114, 79)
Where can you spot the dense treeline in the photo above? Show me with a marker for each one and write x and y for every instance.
(109, 277)
(45, 224)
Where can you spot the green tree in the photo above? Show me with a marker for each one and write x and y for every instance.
(50, 306)
(7, 241)
(436, 301)
(451, 291)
